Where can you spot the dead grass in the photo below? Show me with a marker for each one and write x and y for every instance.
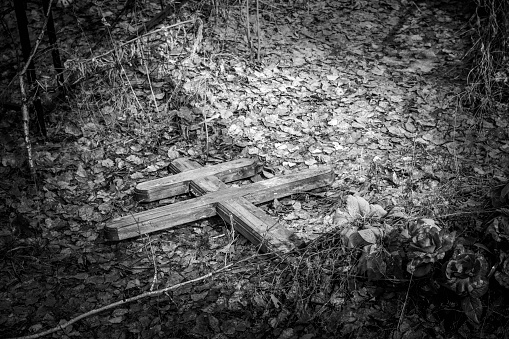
(488, 81)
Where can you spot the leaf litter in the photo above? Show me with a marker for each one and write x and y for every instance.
(366, 88)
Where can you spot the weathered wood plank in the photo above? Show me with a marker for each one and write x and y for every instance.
(206, 185)
(198, 186)
(183, 165)
(247, 219)
(203, 207)
(177, 214)
(300, 182)
(256, 225)
(178, 184)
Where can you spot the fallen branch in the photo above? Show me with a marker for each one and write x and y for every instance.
(126, 301)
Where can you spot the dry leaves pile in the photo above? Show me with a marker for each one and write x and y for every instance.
(368, 88)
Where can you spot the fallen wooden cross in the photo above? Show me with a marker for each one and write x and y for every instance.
(235, 205)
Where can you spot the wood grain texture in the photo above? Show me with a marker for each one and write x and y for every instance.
(257, 226)
(205, 206)
(178, 184)
(254, 224)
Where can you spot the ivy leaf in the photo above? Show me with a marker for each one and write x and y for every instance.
(472, 308)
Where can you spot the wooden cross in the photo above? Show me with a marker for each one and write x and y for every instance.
(235, 205)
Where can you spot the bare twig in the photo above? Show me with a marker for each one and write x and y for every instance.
(26, 127)
(207, 145)
(147, 72)
(463, 213)
(400, 320)
(154, 263)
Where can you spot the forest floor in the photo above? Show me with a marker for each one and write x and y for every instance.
(372, 89)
